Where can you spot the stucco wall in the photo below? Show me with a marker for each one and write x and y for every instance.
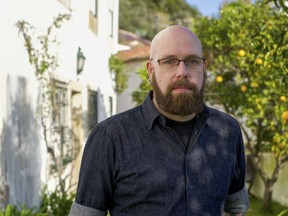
(280, 193)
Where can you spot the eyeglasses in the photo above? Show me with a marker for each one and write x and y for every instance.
(172, 63)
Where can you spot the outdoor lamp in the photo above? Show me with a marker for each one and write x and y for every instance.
(80, 61)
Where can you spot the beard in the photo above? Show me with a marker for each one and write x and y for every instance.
(182, 103)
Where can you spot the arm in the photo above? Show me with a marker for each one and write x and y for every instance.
(95, 185)
(237, 201)
(237, 204)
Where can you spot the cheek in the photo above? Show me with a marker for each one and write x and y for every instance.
(199, 79)
(160, 84)
(163, 80)
(196, 78)
(200, 82)
(163, 84)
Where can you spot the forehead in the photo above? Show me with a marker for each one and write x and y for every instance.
(177, 41)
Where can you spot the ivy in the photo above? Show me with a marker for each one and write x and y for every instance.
(118, 69)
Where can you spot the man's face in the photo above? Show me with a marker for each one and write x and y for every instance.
(178, 91)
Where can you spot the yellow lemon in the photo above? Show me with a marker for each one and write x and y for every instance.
(285, 116)
(254, 85)
(282, 98)
(219, 79)
(241, 53)
(243, 88)
(259, 61)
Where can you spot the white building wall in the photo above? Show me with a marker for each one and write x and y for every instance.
(124, 99)
(74, 33)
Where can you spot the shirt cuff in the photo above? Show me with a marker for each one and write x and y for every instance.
(81, 210)
(237, 203)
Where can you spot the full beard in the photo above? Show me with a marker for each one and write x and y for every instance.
(182, 103)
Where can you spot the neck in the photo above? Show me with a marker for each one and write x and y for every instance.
(179, 118)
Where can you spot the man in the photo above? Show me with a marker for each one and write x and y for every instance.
(170, 156)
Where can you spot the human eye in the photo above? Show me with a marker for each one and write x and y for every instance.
(169, 61)
(192, 61)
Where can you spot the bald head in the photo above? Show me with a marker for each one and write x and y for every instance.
(175, 40)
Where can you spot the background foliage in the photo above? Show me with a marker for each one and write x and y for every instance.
(56, 203)
(118, 68)
(147, 17)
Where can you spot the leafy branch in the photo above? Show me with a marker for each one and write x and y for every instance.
(44, 64)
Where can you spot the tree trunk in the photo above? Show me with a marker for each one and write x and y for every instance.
(268, 192)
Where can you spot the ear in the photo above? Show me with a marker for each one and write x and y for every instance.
(149, 68)
(205, 64)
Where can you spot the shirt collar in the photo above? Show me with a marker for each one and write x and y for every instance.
(150, 112)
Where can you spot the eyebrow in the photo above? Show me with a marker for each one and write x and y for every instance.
(194, 56)
(174, 57)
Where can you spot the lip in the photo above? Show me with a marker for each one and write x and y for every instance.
(181, 89)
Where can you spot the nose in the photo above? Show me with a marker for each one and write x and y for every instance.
(181, 70)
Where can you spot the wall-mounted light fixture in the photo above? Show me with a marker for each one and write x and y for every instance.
(80, 61)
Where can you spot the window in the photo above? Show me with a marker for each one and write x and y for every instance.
(61, 136)
(94, 7)
(92, 109)
(111, 105)
(60, 105)
(66, 3)
(93, 16)
(110, 17)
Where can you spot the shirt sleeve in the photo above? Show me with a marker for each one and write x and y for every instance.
(96, 184)
(238, 178)
(238, 203)
(80, 210)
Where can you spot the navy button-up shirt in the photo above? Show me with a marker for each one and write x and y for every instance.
(133, 164)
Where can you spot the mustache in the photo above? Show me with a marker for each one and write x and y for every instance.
(183, 83)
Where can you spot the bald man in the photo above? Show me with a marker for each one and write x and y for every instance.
(173, 155)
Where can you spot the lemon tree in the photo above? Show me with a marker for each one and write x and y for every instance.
(247, 52)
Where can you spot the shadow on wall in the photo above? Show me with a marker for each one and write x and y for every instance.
(21, 150)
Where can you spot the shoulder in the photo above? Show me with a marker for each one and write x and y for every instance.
(125, 117)
(114, 127)
(124, 120)
(221, 119)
